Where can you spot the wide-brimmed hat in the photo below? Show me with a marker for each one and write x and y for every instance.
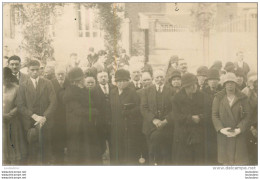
(229, 77)
(188, 79)
(174, 73)
(75, 74)
(213, 74)
(202, 71)
(122, 75)
(229, 67)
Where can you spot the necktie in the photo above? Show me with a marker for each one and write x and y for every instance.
(36, 83)
(105, 89)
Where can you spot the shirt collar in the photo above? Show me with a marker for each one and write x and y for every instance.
(33, 80)
(157, 87)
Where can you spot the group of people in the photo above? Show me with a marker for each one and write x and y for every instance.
(130, 116)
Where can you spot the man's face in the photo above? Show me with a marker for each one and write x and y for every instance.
(14, 65)
(60, 75)
(159, 78)
(146, 79)
(90, 82)
(183, 67)
(240, 80)
(122, 84)
(213, 84)
(34, 71)
(102, 78)
(201, 80)
(136, 75)
(176, 82)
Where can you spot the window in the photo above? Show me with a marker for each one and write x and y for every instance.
(87, 24)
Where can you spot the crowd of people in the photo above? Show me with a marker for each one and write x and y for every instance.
(95, 113)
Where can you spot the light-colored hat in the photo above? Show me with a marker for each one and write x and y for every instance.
(229, 77)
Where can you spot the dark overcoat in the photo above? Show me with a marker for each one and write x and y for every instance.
(210, 132)
(59, 122)
(124, 148)
(81, 114)
(41, 101)
(231, 150)
(186, 132)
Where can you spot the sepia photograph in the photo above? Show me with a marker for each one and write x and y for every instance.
(130, 84)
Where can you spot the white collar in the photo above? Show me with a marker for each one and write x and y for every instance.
(33, 80)
(157, 87)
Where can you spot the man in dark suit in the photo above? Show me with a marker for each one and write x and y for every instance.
(146, 81)
(102, 91)
(14, 63)
(36, 102)
(136, 79)
(59, 124)
(156, 108)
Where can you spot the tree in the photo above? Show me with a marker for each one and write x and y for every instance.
(36, 22)
(204, 16)
(110, 21)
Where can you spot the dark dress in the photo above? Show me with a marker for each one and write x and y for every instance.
(81, 113)
(125, 119)
(14, 143)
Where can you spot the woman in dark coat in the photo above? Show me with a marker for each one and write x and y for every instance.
(82, 144)
(230, 118)
(14, 144)
(125, 119)
(188, 117)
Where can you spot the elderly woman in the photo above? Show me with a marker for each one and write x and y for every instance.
(230, 118)
(82, 145)
(125, 120)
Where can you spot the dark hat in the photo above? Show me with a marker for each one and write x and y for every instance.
(92, 71)
(230, 67)
(75, 74)
(202, 71)
(188, 79)
(122, 74)
(174, 73)
(239, 72)
(213, 74)
(174, 59)
(217, 65)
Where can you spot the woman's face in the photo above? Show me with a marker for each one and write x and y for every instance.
(176, 82)
(90, 82)
(230, 86)
(122, 84)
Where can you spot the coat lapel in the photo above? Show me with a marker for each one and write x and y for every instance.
(152, 96)
(228, 108)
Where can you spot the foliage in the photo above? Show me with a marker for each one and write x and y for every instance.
(36, 21)
(109, 18)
